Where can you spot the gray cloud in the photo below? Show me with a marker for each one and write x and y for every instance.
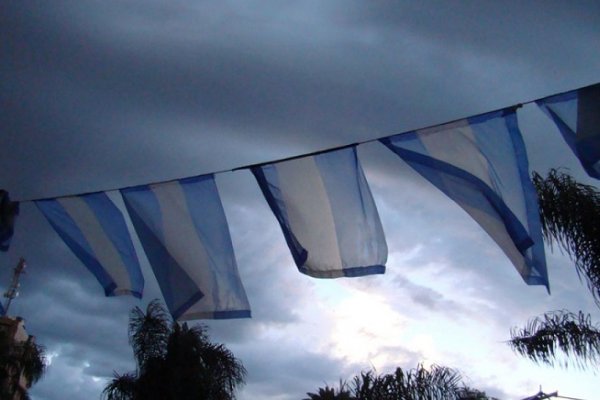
(146, 85)
(495, 30)
(305, 372)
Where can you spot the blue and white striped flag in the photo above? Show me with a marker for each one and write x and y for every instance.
(577, 115)
(94, 229)
(184, 232)
(327, 214)
(481, 164)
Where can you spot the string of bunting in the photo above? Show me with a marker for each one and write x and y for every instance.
(323, 204)
(566, 94)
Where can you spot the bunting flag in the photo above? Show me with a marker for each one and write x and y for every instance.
(324, 206)
(481, 164)
(8, 212)
(95, 230)
(326, 211)
(577, 115)
(184, 232)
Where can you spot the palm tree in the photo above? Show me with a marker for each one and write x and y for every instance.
(545, 338)
(328, 393)
(438, 382)
(174, 362)
(420, 383)
(570, 214)
(19, 361)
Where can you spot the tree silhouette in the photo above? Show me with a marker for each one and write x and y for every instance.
(545, 338)
(570, 214)
(328, 393)
(174, 362)
(420, 383)
(19, 360)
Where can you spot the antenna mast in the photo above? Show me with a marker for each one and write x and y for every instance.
(13, 289)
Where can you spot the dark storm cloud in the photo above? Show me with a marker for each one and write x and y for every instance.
(98, 80)
(92, 93)
(84, 335)
(502, 30)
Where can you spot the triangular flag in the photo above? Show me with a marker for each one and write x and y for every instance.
(481, 164)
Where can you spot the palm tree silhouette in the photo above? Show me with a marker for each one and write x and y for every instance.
(420, 383)
(19, 362)
(174, 362)
(328, 393)
(570, 214)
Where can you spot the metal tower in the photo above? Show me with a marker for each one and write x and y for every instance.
(13, 289)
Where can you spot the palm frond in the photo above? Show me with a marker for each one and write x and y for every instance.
(420, 383)
(329, 393)
(122, 387)
(570, 214)
(33, 361)
(225, 371)
(368, 385)
(438, 382)
(149, 332)
(558, 337)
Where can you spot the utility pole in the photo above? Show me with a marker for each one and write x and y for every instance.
(13, 289)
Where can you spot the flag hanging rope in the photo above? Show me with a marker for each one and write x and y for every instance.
(322, 151)
(324, 206)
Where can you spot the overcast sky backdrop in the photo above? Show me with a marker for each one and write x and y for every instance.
(98, 95)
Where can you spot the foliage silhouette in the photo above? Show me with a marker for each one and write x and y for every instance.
(328, 393)
(559, 336)
(570, 214)
(174, 362)
(26, 359)
(420, 383)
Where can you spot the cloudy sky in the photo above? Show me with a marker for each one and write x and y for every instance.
(99, 95)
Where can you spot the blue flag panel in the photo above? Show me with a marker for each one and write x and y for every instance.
(325, 209)
(184, 232)
(94, 229)
(482, 165)
(577, 115)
